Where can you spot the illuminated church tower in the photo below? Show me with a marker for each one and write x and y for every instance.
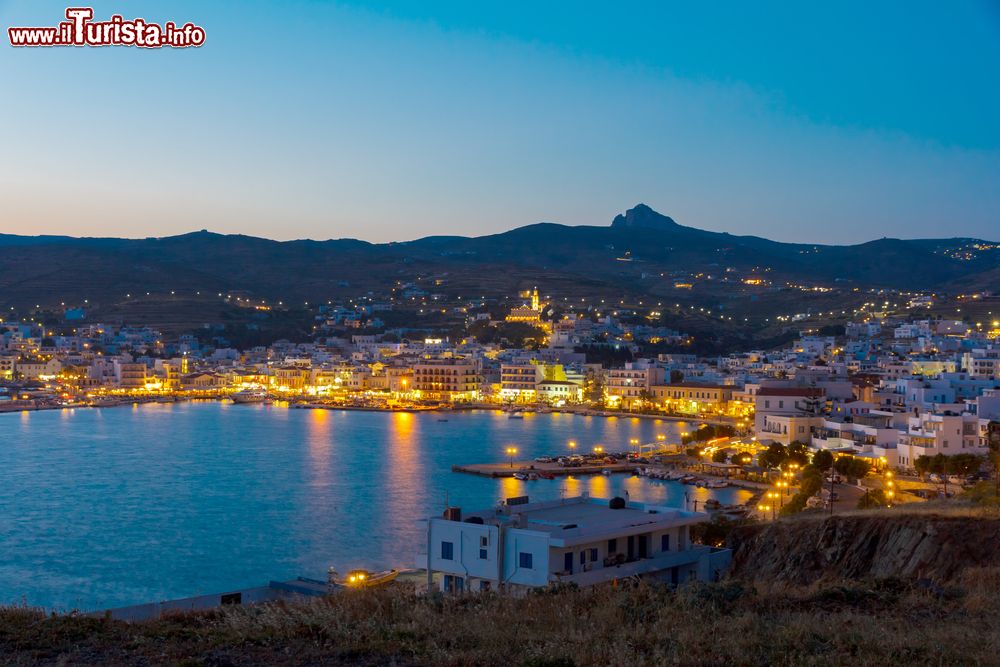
(536, 303)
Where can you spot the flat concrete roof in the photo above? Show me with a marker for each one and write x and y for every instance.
(577, 520)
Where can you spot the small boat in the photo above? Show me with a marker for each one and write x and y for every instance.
(521, 476)
(363, 578)
(606, 472)
(516, 415)
(717, 484)
(546, 475)
(532, 476)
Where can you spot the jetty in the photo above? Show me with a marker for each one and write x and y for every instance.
(507, 470)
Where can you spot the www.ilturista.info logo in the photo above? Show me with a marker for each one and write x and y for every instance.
(81, 30)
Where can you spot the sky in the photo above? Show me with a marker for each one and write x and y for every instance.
(808, 122)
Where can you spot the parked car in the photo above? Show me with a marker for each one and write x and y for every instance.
(543, 459)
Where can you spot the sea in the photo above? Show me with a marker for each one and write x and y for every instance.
(116, 506)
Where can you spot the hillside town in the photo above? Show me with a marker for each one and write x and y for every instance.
(890, 389)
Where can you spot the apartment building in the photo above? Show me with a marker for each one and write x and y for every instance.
(584, 541)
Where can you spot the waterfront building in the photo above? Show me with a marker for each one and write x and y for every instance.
(696, 399)
(584, 541)
(446, 379)
(633, 383)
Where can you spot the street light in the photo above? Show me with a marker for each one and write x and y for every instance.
(572, 444)
(511, 451)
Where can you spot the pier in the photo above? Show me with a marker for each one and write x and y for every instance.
(506, 470)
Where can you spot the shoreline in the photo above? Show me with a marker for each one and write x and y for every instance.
(301, 404)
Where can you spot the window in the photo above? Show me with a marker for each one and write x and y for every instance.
(447, 551)
(612, 546)
(524, 560)
(583, 557)
(593, 555)
(664, 542)
(482, 554)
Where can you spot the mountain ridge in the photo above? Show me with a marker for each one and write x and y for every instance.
(642, 252)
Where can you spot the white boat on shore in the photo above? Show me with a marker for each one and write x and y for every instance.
(250, 396)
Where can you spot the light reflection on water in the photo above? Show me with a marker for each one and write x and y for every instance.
(149, 502)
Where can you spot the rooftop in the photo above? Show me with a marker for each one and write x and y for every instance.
(580, 518)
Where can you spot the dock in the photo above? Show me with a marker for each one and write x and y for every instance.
(506, 470)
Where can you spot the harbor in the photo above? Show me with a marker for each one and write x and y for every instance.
(188, 498)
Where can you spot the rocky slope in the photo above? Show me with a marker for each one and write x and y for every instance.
(908, 546)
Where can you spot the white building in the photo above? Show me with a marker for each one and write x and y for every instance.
(581, 540)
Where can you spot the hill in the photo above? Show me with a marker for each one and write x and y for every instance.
(642, 254)
(748, 619)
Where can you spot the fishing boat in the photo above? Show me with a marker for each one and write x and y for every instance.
(521, 476)
(717, 484)
(363, 578)
(516, 415)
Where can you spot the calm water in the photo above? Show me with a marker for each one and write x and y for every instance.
(118, 506)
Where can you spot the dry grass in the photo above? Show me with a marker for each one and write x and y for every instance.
(728, 623)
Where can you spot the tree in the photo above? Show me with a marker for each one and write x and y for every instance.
(720, 456)
(964, 464)
(798, 452)
(812, 480)
(923, 464)
(823, 459)
(852, 467)
(773, 456)
(858, 468)
(873, 498)
(843, 465)
(645, 398)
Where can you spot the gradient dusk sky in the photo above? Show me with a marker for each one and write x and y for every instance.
(836, 122)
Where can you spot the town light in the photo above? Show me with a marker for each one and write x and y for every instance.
(511, 452)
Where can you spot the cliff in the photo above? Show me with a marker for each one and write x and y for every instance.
(866, 546)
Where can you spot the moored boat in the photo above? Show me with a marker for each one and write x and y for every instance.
(250, 396)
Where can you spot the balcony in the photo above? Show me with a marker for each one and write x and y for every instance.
(659, 562)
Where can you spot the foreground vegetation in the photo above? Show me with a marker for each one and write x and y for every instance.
(876, 623)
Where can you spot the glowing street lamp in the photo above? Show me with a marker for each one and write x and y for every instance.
(511, 452)
(572, 444)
